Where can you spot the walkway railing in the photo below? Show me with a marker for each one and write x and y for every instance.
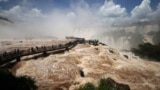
(17, 54)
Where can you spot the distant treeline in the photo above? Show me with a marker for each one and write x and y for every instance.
(148, 50)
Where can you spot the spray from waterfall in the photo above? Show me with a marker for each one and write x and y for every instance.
(81, 20)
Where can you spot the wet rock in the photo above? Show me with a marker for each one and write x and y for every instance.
(125, 56)
(81, 73)
(111, 51)
(116, 85)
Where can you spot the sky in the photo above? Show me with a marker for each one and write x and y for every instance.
(46, 5)
(37, 16)
(140, 10)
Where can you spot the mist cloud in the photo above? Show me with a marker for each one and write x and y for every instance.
(80, 19)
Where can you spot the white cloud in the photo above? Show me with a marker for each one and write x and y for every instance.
(110, 9)
(142, 11)
(155, 16)
(4, 0)
(112, 13)
(22, 14)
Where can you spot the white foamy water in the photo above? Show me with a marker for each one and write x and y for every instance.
(62, 70)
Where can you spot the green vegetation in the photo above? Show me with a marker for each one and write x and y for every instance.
(87, 86)
(103, 84)
(147, 50)
(9, 82)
